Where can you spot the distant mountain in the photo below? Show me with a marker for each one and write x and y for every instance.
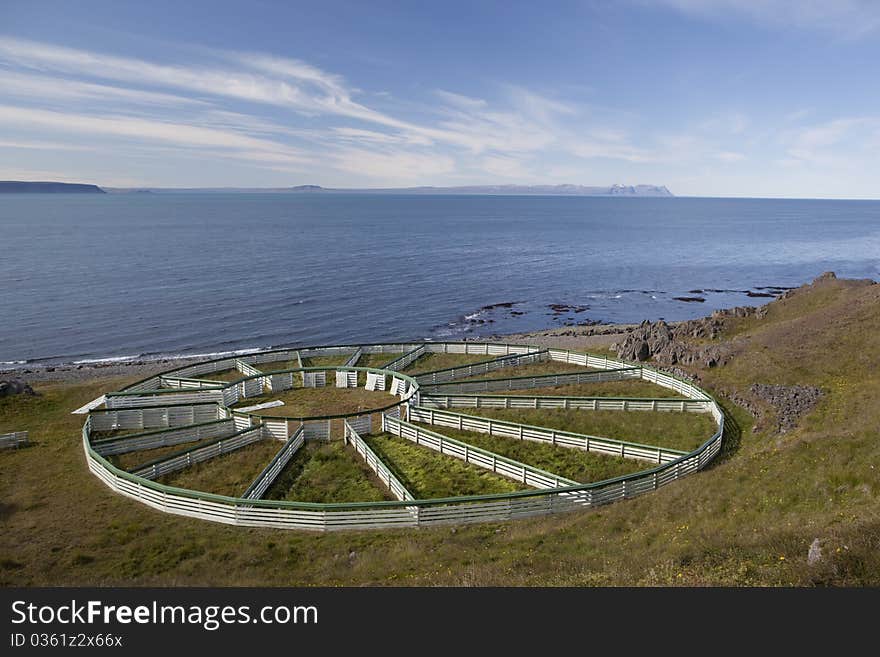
(505, 190)
(486, 190)
(19, 187)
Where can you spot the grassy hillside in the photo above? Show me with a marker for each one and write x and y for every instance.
(749, 519)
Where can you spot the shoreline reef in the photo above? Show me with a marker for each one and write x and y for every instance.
(660, 341)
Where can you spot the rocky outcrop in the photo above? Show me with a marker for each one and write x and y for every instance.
(15, 387)
(789, 402)
(667, 345)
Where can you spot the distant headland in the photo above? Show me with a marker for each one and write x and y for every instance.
(473, 190)
(21, 187)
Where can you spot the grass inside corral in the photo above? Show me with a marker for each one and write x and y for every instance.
(229, 474)
(534, 369)
(568, 462)
(675, 430)
(428, 474)
(326, 400)
(327, 472)
(130, 460)
(439, 361)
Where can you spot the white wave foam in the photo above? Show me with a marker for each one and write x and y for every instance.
(112, 359)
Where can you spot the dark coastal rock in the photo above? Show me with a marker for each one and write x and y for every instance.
(789, 402)
(15, 387)
(690, 299)
(666, 345)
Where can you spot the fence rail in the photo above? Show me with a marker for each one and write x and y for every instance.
(664, 404)
(506, 467)
(155, 417)
(14, 439)
(189, 433)
(483, 367)
(505, 429)
(528, 382)
(383, 472)
(407, 359)
(261, 484)
(193, 455)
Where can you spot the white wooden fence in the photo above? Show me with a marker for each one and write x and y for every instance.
(317, 379)
(189, 457)
(375, 381)
(528, 382)
(158, 417)
(383, 472)
(261, 484)
(506, 467)
(346, 379)
(162, 398)
(14, 439)
(663, 404)
(484, 367)
(164, 437)
(355, 357)
(407, 359)
(494, 427)
(316, 430)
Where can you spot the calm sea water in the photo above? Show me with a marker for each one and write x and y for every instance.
(87, 277)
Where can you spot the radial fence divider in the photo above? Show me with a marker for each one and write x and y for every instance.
(481, 367)
(154, 417)
(182, 382)
(85, 408)
(375, 463)
(355, 357)
(261, 484)
(501, 465)
(506, 429)
(193, 455)
(15, 439)
(525, 402)
(156, 439)
(536, 381)
(404, 361)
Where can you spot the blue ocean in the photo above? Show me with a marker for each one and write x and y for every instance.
(89, 277)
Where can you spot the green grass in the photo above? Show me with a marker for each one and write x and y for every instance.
(568, 462)
(325, 361)
(439, 361)
(684, 431)
(229, 474)
(535, 369)
(427, 473)
(625, 388)
(327, 472)
(326, 400)
(278, 365)
(224, 375)
(747, 520)
(377, 360)
(131, 460)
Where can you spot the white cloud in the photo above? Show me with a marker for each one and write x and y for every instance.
(43, 87)
(147, 131)
(385, 168)
(849, 18)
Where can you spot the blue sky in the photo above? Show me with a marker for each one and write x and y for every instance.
(709, 97)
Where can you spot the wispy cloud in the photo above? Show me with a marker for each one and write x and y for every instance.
(848, 18)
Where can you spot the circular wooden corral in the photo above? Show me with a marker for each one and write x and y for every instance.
(195, 404)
